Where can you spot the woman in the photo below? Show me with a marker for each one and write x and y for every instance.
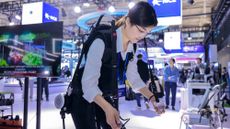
(132, 28)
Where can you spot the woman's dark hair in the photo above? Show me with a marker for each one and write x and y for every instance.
(142, 14)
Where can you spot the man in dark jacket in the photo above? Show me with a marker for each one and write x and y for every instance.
(143, 71)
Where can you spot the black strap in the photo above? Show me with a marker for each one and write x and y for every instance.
(134, 48)
(149, 68)
(99, 20)
(83, 49)
(114, 59)
(127, 59)
(78, 64)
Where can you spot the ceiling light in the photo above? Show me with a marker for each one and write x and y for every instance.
(11, 23)
(18, 17)
(189, 38)
(131, 4)
(77, 9)
(111, 9)
(160, 40)
(86, 4)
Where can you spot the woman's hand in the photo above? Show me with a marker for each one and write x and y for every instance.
(158, 107)
(112, 117)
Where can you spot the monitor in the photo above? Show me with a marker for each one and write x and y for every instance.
(31, 50)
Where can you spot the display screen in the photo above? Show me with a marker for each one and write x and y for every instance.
(31, 50)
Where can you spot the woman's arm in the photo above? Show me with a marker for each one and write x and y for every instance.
(112, 115)
(137, 84)
(91, 72)
(165, 75)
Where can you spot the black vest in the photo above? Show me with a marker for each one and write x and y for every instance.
(108, 76)
(108, 80)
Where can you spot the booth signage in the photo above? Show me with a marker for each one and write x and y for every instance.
(50, 13)
(188, 49)
(193, 49)
(168, 10)
(39, 12)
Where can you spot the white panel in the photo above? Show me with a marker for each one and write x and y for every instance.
(32, 13)
(166, 21)
(172, 40)
(212, 53)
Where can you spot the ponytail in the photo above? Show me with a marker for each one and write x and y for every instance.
(120, 22)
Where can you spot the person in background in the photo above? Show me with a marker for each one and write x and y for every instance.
(142, 67)
(228, 80)
(183, 77)
(171, 74)
(225, 76)
(45, 86)
(166, 64)
(200, 67)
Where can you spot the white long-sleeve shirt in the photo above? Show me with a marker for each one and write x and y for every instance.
(93, 64)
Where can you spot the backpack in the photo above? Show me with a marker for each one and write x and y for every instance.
(104, 32)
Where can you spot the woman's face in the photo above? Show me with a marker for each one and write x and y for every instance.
(135, 33)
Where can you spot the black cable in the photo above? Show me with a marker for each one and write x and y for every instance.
(123, 124)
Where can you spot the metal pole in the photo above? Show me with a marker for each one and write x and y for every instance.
(39, 95)
(25, 114)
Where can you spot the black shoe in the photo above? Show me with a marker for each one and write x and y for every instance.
(47, 99)
(167, 107)
(173, 108)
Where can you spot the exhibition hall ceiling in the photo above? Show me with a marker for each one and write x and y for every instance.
(196, 13)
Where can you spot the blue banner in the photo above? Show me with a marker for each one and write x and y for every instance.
(193, 49)
(166, 8)
(188, 49)
(50, 13)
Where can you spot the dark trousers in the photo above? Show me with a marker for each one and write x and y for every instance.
(45, 85)
(138, 99)
(88, 116)
(170, 86)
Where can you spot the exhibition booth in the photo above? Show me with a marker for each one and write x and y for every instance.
(39, 50)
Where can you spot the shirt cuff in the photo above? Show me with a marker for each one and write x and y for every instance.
(92, 93)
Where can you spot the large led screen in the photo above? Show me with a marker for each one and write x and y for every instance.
(31, 50)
